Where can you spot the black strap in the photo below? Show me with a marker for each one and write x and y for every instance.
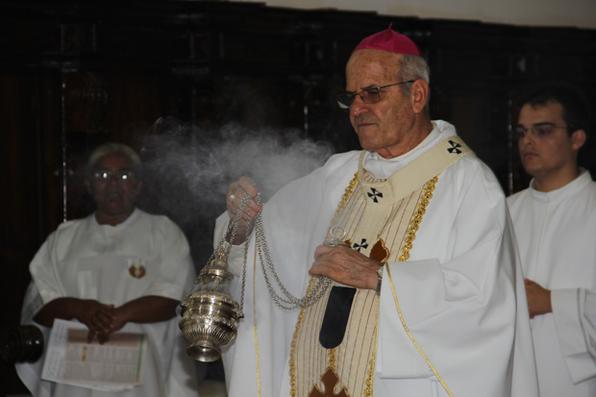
(336, 317)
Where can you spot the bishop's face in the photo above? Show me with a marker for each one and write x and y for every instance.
(384, 127)
(114, 188)
(545, 152)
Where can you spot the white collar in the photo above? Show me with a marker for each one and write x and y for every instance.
(383, 168)
(563, 192)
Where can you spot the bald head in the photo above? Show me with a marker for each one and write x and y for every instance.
(377, 63)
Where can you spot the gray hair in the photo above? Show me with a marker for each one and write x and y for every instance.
(113, 147)
(413, 67)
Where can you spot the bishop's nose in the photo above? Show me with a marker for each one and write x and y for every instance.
(358, 107)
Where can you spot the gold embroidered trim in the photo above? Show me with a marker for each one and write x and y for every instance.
(332, 359)
(293, 355)
(427, 194)
(348, 192)
(369, 389)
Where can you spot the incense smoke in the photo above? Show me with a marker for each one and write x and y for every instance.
(188, 170)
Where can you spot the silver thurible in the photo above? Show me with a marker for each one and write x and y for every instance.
(210, 315)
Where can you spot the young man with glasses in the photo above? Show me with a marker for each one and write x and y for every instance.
(118, 270)
(419, 253)
(555, 224)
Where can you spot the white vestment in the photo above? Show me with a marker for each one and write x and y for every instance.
(86, 260)
(555, 233)
(458, 290)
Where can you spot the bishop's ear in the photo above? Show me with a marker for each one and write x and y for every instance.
(419, 95)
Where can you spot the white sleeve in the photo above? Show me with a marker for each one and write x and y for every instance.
(32, 303)
(450, 311)
(176, 267)
(460, 309)
(589, 320)
(44, 270)
(574, 313)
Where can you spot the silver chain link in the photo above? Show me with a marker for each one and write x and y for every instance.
(285, 300)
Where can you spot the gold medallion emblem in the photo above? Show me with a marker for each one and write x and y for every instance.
(137, 271)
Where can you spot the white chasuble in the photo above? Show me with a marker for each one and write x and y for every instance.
(459, 289)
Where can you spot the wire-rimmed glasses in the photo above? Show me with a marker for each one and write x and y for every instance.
(370, 95)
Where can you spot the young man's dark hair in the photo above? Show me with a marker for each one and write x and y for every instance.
(575, 104)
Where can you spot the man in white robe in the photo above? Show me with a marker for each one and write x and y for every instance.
(555, 224)
(118, 270)
(439, 281)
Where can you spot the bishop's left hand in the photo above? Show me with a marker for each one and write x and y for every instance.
(538, 298)
(346, 266)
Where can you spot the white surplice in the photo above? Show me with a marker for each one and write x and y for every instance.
(556, 236)
(86, 260)
(459, 290)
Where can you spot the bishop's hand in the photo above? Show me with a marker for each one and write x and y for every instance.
(344, 265)
(242, 205)
(539, 301)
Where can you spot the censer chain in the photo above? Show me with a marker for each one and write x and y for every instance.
(285, 299)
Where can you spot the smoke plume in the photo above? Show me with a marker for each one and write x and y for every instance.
(188, 170)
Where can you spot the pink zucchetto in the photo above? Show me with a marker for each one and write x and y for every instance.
(391, 41)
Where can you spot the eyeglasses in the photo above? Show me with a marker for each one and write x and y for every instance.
(538, 130)
(368, 95)
(119, 176)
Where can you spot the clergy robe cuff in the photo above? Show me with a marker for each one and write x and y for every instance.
(566, 315)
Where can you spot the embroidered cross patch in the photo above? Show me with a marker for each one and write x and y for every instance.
(455, 147)
(330, 381)
(374, 194)
(358, 247)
